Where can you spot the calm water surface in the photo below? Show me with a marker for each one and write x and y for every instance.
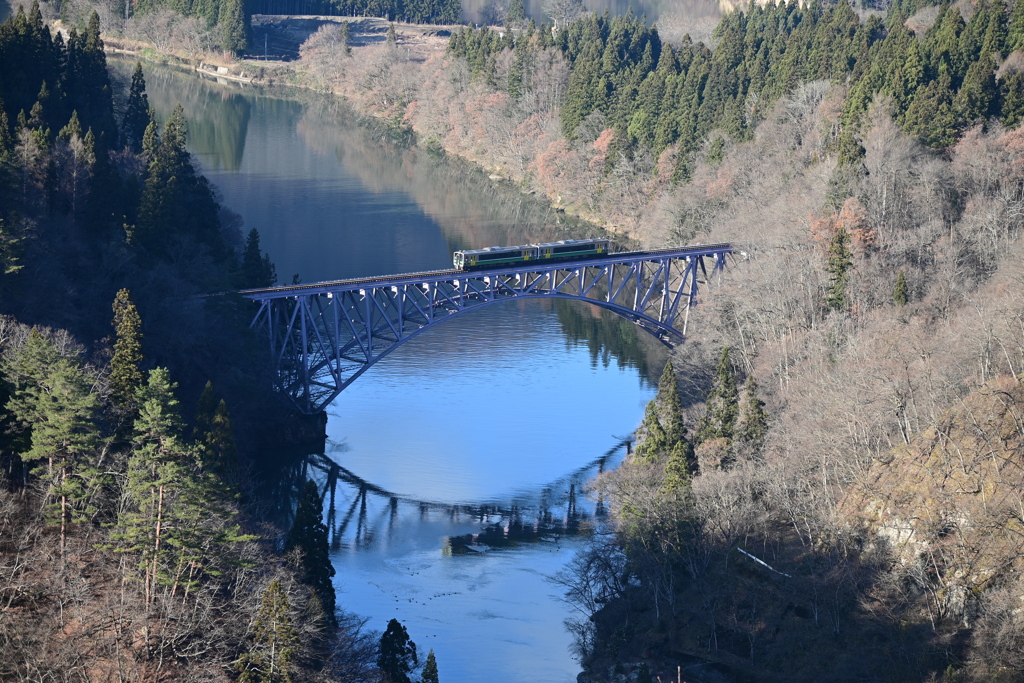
(453, 468)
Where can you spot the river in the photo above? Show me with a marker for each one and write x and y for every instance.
(453, 469)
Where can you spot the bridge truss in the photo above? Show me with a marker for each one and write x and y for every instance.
(323, 336)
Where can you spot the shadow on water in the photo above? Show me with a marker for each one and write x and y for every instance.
(361, 515)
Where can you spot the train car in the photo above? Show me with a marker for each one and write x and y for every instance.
(573, 249)
(490, 257)
(565, 250)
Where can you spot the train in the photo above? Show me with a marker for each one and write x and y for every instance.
(564, 250)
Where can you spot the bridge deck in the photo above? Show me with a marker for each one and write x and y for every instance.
(265, 293)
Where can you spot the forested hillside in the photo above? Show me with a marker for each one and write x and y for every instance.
(128, 546)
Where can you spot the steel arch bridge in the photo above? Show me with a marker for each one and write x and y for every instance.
(324, 335)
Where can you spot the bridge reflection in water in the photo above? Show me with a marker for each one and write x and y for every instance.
(360, 515)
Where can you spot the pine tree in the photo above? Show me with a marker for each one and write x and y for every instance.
(392, 38)
(840, 261)
(157, 468)
(6, 140)
(719, 421)
(151, 138)
(516, 14)
(257, 269)
(977, 97)
(233, 23)
(429, 674)
(177, 203)
(397, 657)
(72, 130)
(136, 115)
(900, 293)
(680, 468)
(931, 116)
(125, 375)
(345, 37)
(670, 407)
(213, 435)
(52, 395)
(664, 430)
(1011, 91)
(309, 535)
(653, 438)
(274, 641)
(219, 445)
(754, 421)
(177, 520)
(204, 412)
(1015, 29)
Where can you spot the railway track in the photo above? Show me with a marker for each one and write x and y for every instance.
(377, 279)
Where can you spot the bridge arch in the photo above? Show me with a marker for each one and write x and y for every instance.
(324, 336)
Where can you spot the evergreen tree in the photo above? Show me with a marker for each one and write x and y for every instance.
(214, 435)
(978, 94)
(136, 115)
(52, 395)
(680, 468)
(664, 429)
(345, 36)
(754, 421)
(72, 130)
(900, 293)
(1015, 29)
(682, 459)
(516, 14)
(177, 203)
(392, 38)
(430, 669)
(274, 641)
(719, 421)
(204, 412)
(309, 535)
(233, 22)
(397, 658)
(653, 438)
(1011, 91)
(996, 30)
(931, 114)
(840, 261)
(6, 141)
(151, 138)
(176, 519)
(219, 445)
(157, 468)
(125, 375)
(257, 269)
(670, 407)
